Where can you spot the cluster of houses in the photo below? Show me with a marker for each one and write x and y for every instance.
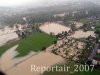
(96, 59)
(23, 30)
(67, 47)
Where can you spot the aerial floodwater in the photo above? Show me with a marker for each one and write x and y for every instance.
(54, 28)
(7, 34)
(50, 37)
(21, 65)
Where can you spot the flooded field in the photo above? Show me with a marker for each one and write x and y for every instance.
(54, 28)
(7, 34)
(82, 34)
(17, 66)
(22, 65)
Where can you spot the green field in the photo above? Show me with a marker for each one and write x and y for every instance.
(83, 20)
(98, 25)
(34, 42)
(98, 55)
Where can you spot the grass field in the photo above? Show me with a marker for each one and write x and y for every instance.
(98, 25)
(34, 42)
(83, 20)
(98, 55)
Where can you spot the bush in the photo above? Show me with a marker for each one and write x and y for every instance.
(55, 42)
(43, 48)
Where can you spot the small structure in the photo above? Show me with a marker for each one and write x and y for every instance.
(21, 34)
(98, 51)
(91, 38)
(96, 61)
(23, 30)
